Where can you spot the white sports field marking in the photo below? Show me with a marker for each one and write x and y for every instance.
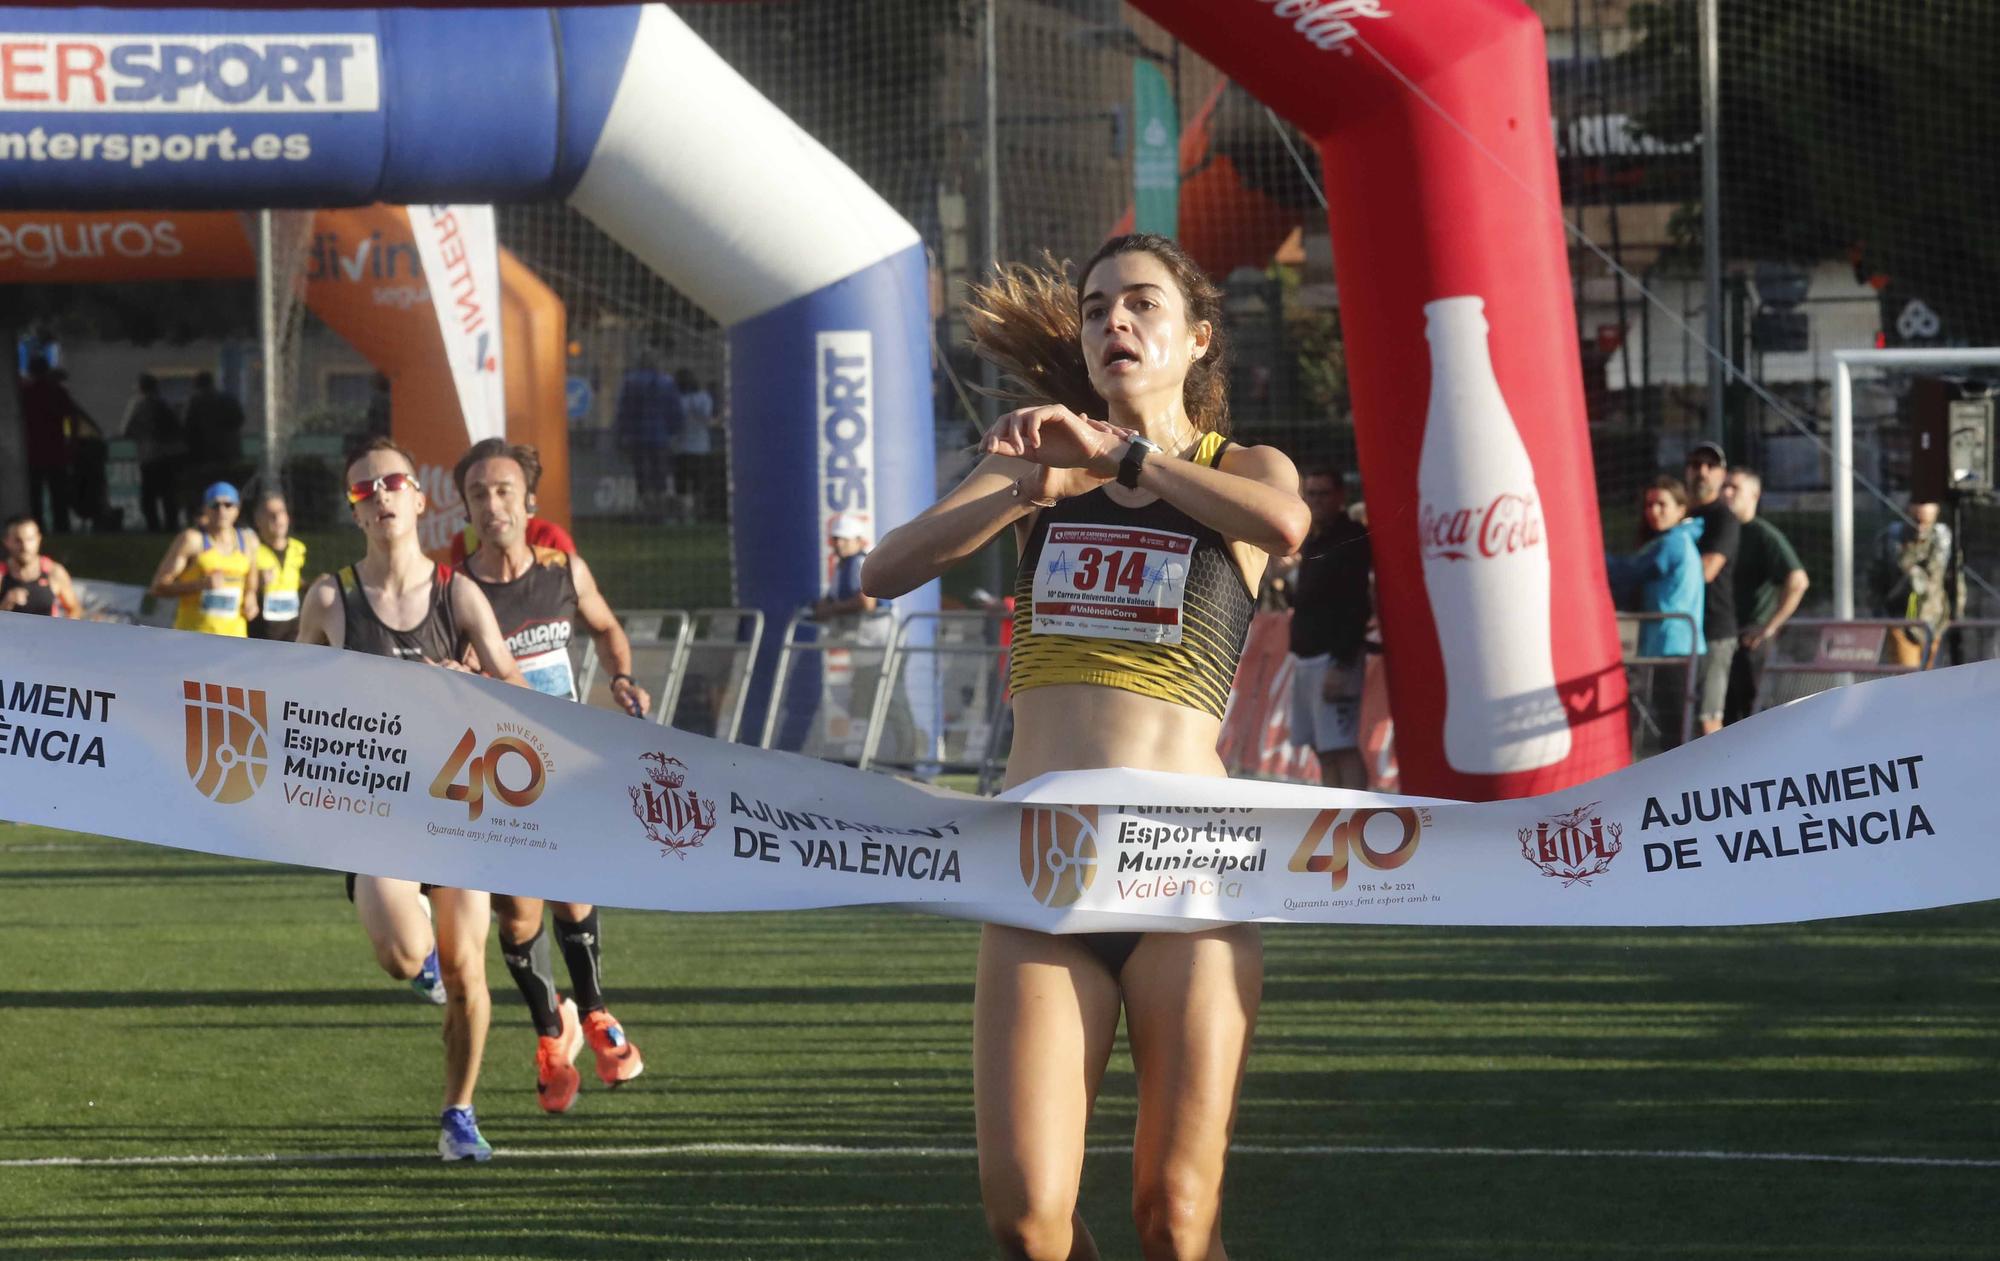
(967, 1153)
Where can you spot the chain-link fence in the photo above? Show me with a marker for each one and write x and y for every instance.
(1853, 213)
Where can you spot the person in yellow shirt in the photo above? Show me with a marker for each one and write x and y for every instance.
(281, 560)
(209, 569)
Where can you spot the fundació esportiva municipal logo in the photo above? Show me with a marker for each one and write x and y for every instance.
(1058, 852)
(1573, 846)
(675, 817)
(228, 740)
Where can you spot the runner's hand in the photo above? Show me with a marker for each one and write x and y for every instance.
(459, 666)
(633, 697)
(1056, 437)
(217, 580)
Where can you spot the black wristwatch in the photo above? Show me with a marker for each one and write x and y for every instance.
(1135, 457)
(616, 677)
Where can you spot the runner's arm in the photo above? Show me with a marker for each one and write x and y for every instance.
(1252, 496)
(166, 579)
(65, 591)
(475, 615)
(253, 586)
(612, 645)
(322, 618)
(951, 529)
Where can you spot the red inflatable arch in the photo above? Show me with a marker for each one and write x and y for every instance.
(1432, 120)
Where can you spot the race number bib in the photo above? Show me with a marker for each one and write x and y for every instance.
(221, 601)
(549, 672)
(281, 606)
(1111, 582)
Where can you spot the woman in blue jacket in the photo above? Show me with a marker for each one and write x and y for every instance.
(1664, 576)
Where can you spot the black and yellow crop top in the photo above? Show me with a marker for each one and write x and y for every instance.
(1147, 600)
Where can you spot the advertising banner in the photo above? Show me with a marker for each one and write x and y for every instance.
(1156, 143)
(1867, 799)
(459, 247)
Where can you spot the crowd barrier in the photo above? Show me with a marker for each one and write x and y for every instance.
(1661, 689)
(1811, 655)
(956, 660)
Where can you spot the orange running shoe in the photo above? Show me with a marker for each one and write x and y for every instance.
(556, 1078)
(618, 1061)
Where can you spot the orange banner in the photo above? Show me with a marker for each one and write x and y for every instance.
(364, 280)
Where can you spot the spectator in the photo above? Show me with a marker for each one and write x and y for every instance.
(1721, 537)
(1665, 576)
(1770, 582)
(648, 422)
(47, 416)
(693, 475)
(213, 429)
(1331, 606)
(152, 426)
(1910, 579)
(868, 624)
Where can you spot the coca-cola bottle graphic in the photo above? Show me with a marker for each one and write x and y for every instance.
(1486, 562)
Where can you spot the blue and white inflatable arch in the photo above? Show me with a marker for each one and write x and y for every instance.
(624, 112)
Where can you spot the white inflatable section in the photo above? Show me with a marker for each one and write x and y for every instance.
(708, 182)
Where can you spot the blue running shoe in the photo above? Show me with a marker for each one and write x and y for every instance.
(460, 1138)
(429, 982)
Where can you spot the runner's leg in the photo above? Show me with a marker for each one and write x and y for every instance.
(525, 949)
(1191, 1005)
(392, 914)
(461, 936)
(1044, 1016)
(578, 936)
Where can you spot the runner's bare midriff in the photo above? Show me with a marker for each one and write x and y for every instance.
(1083, 726)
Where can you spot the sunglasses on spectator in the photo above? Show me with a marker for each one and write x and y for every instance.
(363, 491)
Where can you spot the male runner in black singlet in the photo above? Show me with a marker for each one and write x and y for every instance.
(538, 594)
(397, 603)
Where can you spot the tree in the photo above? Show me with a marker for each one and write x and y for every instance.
(1850, 128)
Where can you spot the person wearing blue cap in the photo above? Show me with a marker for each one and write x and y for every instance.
(210, 568)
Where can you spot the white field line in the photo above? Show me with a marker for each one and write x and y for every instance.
(841, 1151)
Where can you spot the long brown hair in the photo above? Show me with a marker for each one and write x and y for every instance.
(1027, 321)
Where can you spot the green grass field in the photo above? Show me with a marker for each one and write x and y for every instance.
(637, 565)
(168, 1004)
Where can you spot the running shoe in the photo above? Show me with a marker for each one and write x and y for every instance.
(429, 982)
(459, 1139)
(556, 1078)
(618, 1061)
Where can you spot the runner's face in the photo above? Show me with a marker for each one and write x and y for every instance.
(496, 498)
(1136, 339)
(387, 514)
(24, 542)
(273, 522)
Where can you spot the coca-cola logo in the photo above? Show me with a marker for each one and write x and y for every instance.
(1327, 25)
(1509, 523)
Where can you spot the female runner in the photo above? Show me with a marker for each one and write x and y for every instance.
(1137, 343)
